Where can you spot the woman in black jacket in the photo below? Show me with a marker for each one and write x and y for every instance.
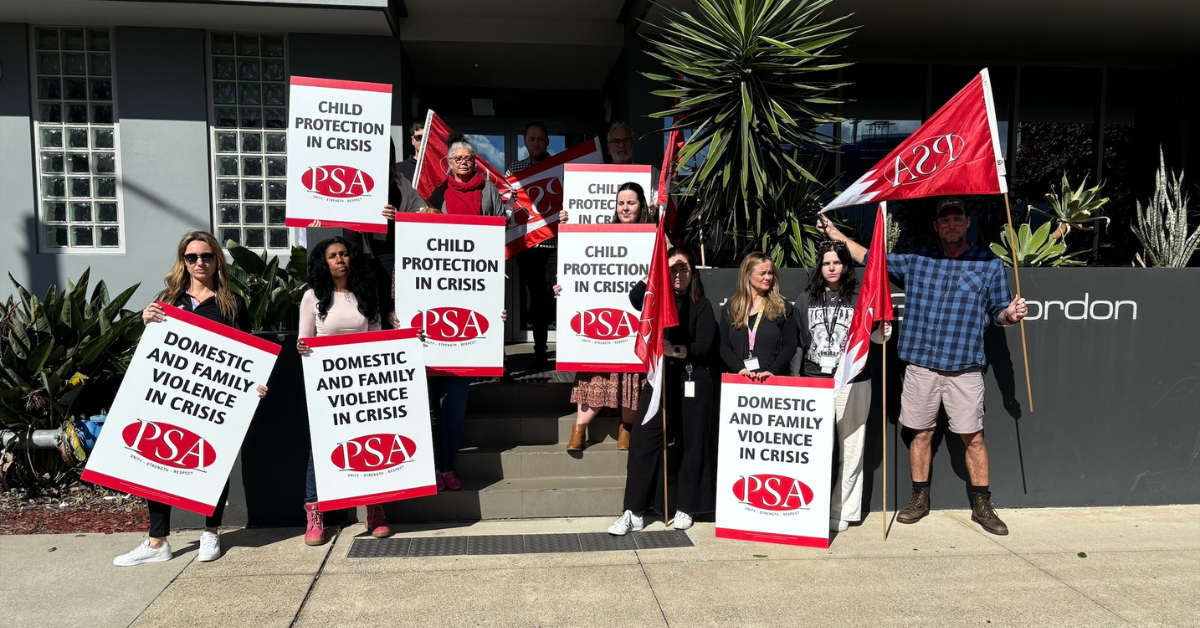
(690, 350)
(758, 337)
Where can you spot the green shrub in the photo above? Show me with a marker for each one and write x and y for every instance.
(272, 293)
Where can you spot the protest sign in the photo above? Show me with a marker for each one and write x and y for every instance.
(368, 416)
(338, 147)
(450, 282)
(182, 411)
(590, 190)
(597, 266)
(774, 460)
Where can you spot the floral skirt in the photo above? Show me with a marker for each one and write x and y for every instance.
(608, 390)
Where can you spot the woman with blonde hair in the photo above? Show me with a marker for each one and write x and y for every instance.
(197, 283)
(758, 337)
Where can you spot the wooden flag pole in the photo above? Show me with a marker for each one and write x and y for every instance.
(666, 502)
(885, 441)
(1012, 248)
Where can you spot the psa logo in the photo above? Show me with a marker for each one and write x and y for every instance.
(604, 324)
(451, 324)
(373, 452)
(772, 492)
(929, 157)
(166, 444)
(337, 181)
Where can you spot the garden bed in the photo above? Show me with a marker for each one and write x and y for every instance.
(77, 508)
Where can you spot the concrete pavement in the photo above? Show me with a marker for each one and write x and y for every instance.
(1142, 568)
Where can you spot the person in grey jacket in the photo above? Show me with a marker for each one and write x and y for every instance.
(468, 190)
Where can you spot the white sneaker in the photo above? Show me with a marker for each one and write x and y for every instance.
(628, 522)
(210, 547)
(144, 554)
(683, 520)
(837, 525)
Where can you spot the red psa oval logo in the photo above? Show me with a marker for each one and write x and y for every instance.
(373, 452)
(772, 492)
(925, 160)
(337, 181)
(604, 324)
(168, 445)
(451, 324)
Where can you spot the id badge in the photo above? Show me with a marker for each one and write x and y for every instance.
(828, 363)
(689, 389)
(751, 364)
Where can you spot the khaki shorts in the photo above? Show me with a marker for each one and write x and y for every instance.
(926, 390)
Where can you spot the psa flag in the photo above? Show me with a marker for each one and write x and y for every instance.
(658, 313)
(537, 193)
(432, 167)
(957, 151)
(874, 305)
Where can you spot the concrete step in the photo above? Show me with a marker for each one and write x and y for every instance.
(547, 427)
(516, 499)
(540, 461)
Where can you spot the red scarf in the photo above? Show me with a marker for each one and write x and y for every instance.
(465, 198)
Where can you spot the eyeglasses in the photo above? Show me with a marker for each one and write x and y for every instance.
(417, 138)
(623, 141)
(463, 160)
(192, 258)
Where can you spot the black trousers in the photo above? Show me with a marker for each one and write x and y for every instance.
(538, 277)
(690, 421)
(160, 515)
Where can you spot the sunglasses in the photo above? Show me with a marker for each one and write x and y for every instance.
(192, 258)
(417, 138)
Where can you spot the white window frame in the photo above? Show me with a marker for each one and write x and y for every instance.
(214, 193)
(35, 122)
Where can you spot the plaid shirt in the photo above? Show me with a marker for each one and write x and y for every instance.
(948, 302)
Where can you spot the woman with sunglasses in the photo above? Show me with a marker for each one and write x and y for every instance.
(823, 314)
(341, 299)
(198, 283)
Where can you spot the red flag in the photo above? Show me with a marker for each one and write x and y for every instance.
(667, 175)
(658, 313)
(538, 196)
(956, 151)
(432, 167)
(874, 305)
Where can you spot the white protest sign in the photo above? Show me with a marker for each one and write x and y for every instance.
(338, 147)
(590, 190)
(597, 266)
(774, 460)
(182, 412)
(368, 415)
(450, 282)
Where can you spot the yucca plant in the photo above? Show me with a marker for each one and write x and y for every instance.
(1036, 248)
(1074, 208)
(754, 80)
(1162, 226)
(272, 292)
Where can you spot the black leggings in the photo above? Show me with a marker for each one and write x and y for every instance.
(160, 516)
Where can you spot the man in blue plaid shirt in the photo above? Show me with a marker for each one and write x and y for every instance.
(953, 291)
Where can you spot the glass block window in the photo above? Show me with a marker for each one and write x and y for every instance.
(249, 127)
(76, 136)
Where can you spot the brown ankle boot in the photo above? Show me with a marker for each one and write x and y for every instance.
(578, 433)
(917, 507)
(983, 514)
(623, 437)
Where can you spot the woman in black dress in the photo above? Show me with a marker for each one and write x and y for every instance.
(758, 337)
(690, 351)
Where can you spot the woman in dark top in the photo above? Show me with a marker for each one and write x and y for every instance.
(197, 283)
(758, 337)
(823, 315)
(690, 351)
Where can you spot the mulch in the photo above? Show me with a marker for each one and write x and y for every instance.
(78, 508)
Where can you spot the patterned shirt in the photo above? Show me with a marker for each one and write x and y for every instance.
(948, 303)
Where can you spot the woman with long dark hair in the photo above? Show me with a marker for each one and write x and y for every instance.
(690, 351)
(823, 314)
(198, 283)
(757, 338)
(342, 298)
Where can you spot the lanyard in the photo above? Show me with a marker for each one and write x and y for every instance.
(754, 332)
(831, 323)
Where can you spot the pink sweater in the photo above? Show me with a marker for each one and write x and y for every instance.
(343, 317)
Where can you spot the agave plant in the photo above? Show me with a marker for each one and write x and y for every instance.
(272, 292)
(740, 71)
(1036, 248)
(1074, 208)
(1162, 225)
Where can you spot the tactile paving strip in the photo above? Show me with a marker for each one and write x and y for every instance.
(515, 544)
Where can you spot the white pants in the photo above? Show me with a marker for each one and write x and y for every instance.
(850, 408)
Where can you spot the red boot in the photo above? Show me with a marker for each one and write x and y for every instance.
(377, 523)
(314, 534)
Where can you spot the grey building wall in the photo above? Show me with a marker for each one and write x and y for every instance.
(18, 242)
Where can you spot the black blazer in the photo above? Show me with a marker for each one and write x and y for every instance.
(774, 345)
(697, 329)
(209, 309)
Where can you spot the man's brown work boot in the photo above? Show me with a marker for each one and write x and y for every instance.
(983, 514)
(917, 507)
